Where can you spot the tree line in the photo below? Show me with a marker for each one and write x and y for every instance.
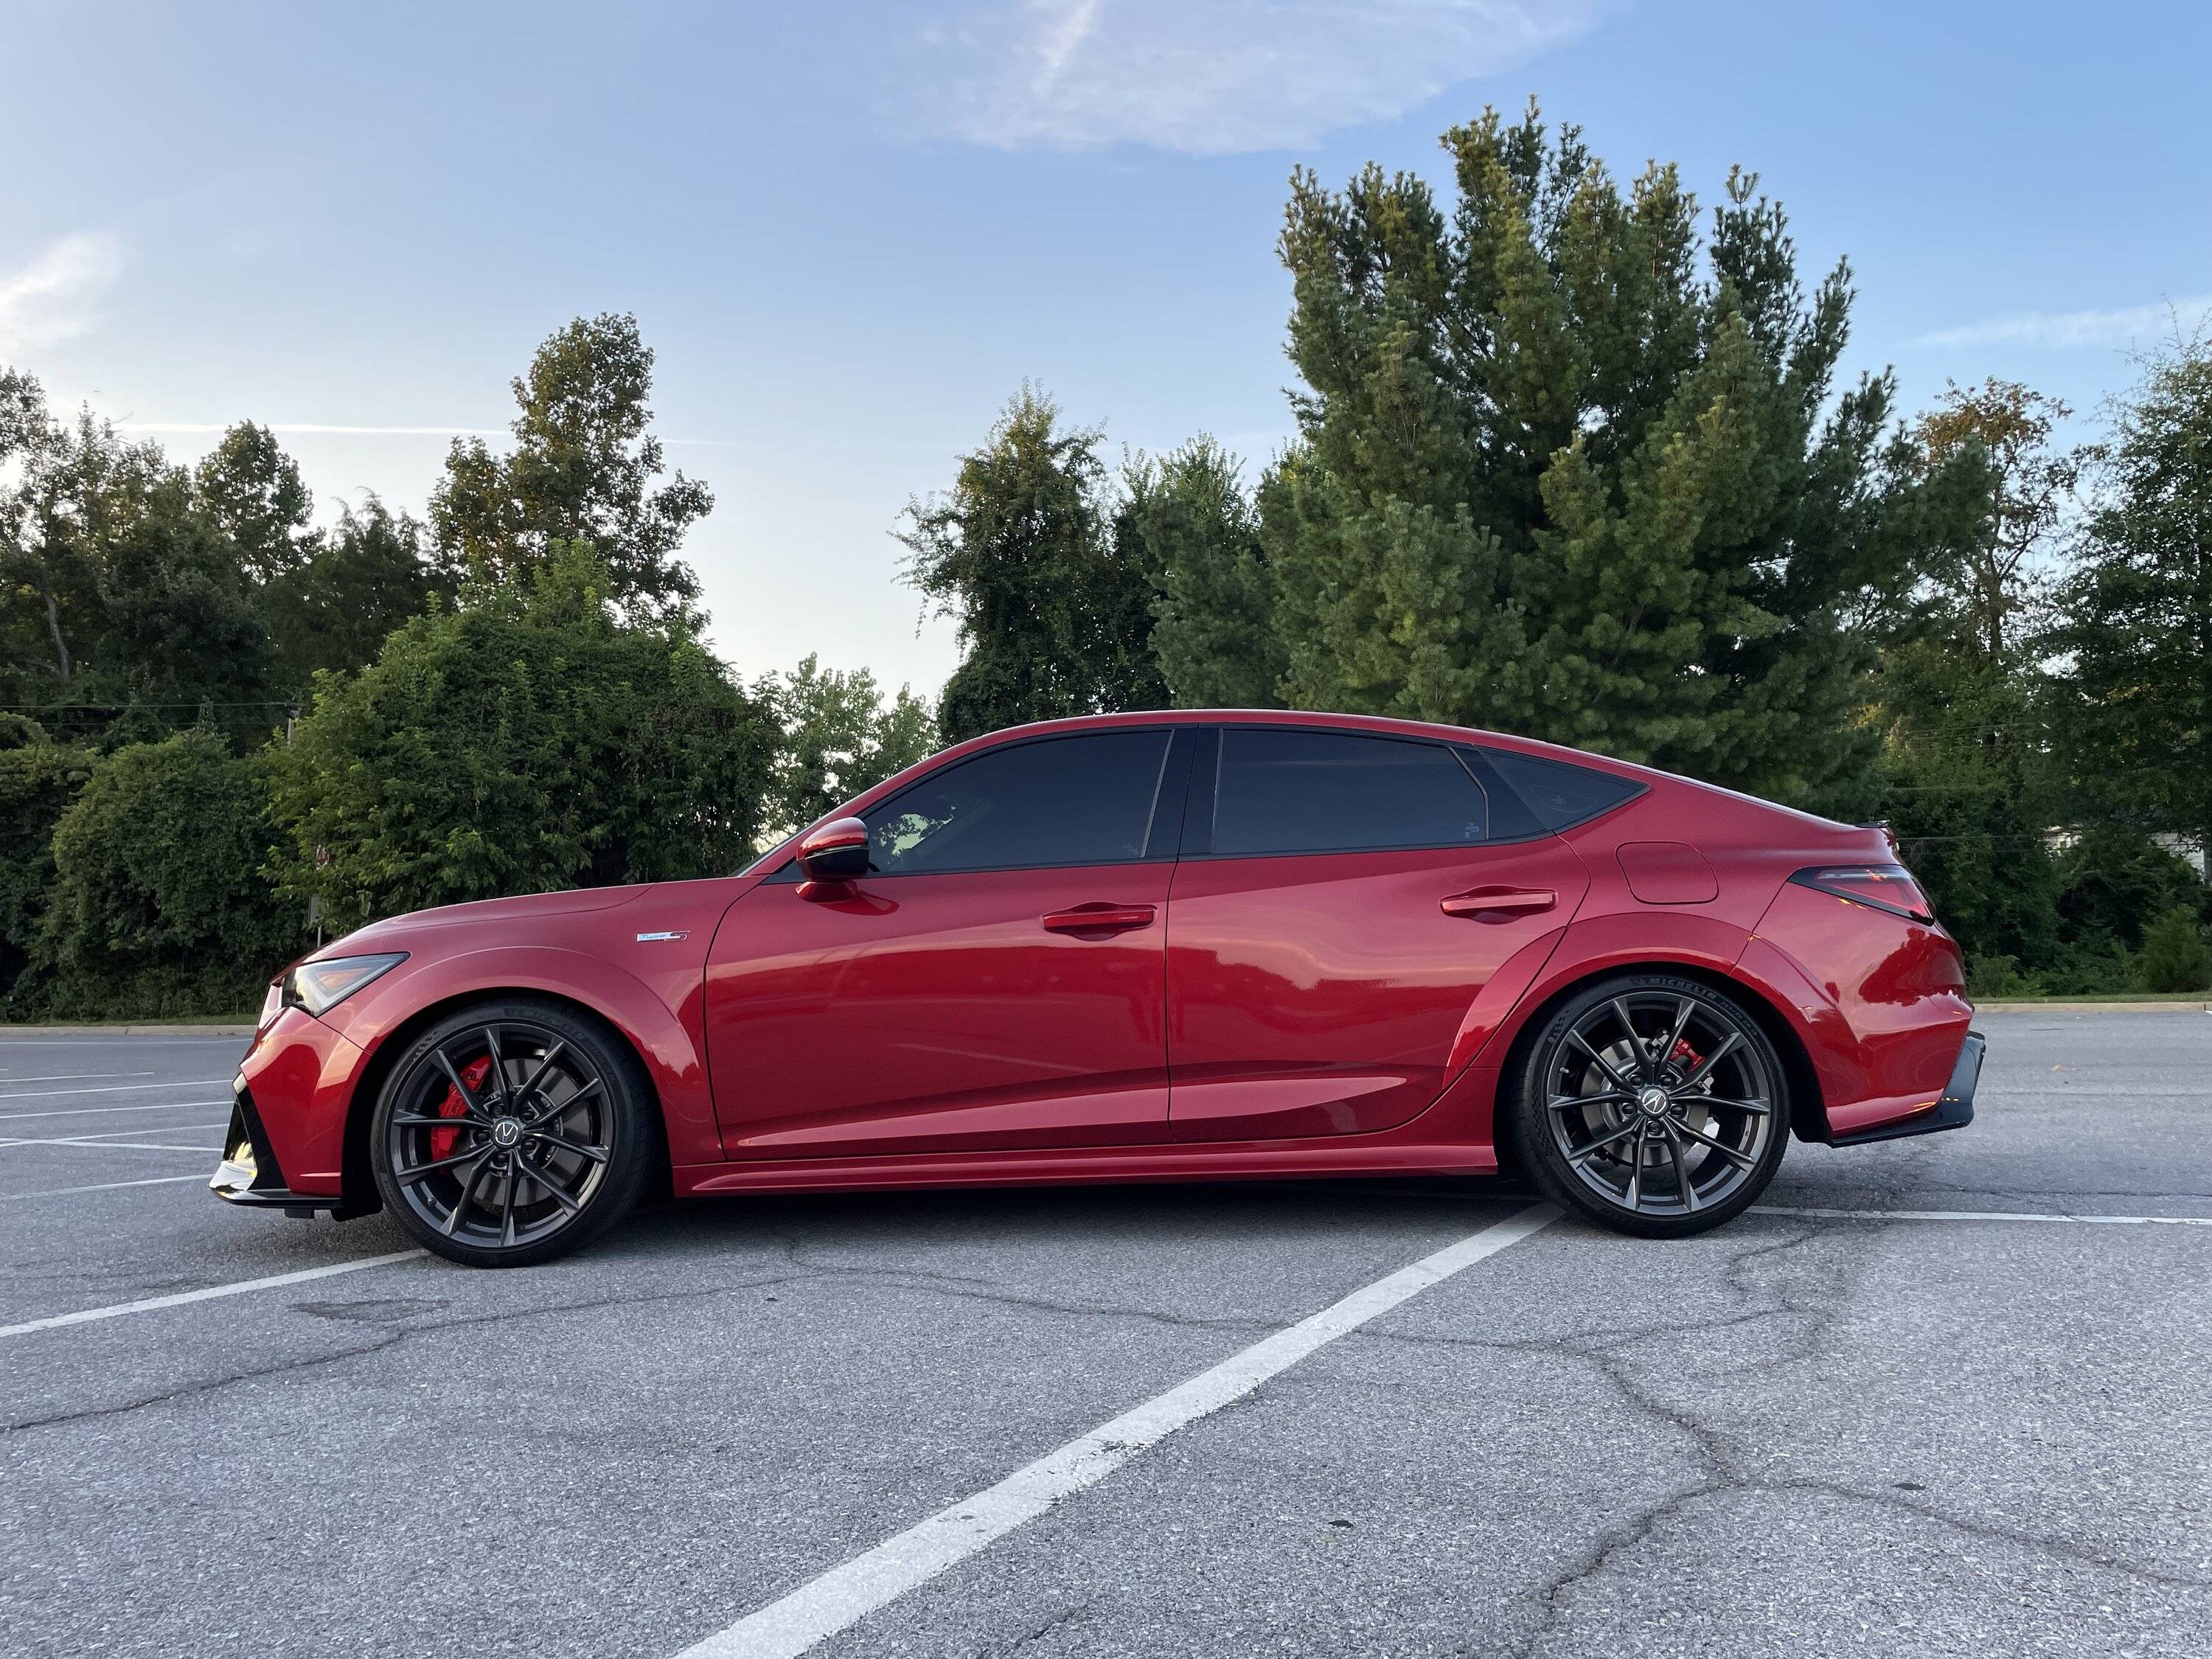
(1572, 458)
(223, 729)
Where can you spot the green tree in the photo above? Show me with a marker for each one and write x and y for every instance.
(2176, 956)
(582, 469)
(362, 578)
(2113, 881)
(2008, 426)
(1569, 469)
(838, 737)
(1187, 520)
(529, 739)
(120, 591)
(1020, 552)
(39, 779)
(2134, 720)
(159, 905)
(253, 491)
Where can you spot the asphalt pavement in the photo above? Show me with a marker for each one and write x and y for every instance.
(1876, 1417)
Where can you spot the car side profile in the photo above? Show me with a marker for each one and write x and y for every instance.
(1188, 946)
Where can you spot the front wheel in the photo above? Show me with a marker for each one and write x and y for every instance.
(1653, 1105)
(513, 1133)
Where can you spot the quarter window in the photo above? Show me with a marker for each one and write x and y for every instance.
(1087, 799)
(1331, 792)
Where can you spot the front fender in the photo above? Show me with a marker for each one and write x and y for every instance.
(660, 1021)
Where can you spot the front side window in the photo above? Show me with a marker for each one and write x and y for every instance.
(1086, 800)
(1335, 792)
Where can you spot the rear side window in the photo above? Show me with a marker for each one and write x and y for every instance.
(1086, 800)
(1557, 793)
(1331, 792)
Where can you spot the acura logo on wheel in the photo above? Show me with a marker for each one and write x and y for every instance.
(506, 1132)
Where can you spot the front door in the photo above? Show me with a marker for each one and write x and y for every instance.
(995, 981)
(1327, 945)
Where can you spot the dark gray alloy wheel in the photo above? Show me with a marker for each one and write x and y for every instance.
(511, 1132)
(1652, 1104)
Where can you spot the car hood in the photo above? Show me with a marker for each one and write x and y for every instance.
(394, 931)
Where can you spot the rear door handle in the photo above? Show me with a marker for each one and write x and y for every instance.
(1499, 902)
(1099, 918)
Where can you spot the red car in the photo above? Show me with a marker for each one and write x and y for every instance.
(1191, 945)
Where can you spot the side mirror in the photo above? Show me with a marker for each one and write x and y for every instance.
(837, 851)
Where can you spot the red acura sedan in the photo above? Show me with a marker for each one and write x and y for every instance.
(1189, 946)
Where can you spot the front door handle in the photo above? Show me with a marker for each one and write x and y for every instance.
(1499, 902)
(1099, 918)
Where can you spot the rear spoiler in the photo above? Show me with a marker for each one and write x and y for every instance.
(1887, 833)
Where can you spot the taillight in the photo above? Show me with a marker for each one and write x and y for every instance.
(1878, 886)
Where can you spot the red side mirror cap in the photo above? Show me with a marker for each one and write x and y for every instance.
(835, 851)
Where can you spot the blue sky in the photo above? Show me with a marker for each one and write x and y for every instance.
(851, 231)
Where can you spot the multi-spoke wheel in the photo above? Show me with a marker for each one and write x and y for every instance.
(1653, 1104)
(511, 1133)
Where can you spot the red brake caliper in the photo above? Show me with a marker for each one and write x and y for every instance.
(473, 1074)
(1683, 1056)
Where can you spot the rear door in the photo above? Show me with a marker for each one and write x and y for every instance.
(1342, 899)
(995, 981)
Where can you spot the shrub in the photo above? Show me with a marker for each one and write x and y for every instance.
(159, 903)
(38, 780)
(2176, 957)
(525, 742)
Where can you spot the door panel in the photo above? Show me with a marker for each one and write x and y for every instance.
(940, 1013)
(1320, 993)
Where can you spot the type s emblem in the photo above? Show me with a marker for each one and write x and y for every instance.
(679, 933)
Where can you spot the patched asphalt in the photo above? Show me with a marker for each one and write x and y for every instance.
(1799, 1435)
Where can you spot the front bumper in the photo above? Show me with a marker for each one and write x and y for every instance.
(249, 1173)
(1955, 1110)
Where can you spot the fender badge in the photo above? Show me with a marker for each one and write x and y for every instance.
(680, 933)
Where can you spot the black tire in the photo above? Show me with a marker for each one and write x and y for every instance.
(512, 1132)
(1651, 1104)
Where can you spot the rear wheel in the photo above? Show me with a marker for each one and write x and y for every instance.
(513, 1133)
(1652, 1104)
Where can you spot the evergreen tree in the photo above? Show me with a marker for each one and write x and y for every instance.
(583, 469)
(1053, 621)
(1554, 477)
(1187, 520)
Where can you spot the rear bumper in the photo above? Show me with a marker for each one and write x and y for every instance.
(249, 1173)
(1955, 1110)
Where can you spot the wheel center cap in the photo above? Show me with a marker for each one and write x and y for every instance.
(506, 1132)
(1652, 1100)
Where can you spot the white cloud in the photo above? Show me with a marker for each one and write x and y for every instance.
(56, 295)
(2060, 329)
(1217, 76)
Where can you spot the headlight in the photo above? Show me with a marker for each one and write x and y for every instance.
(319, 986)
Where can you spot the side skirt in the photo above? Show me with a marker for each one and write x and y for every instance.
(1076, 1167)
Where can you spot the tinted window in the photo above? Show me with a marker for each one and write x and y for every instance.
(1321, 792)
(1558, 793)
(1065, 800)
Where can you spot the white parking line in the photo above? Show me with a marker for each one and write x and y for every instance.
(102, 1111)
(72, 1077)
(1985, 1215)
(103, 1187)
(846, 1594)
(105, 1140)
(152, 1303)
(119, 1089)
